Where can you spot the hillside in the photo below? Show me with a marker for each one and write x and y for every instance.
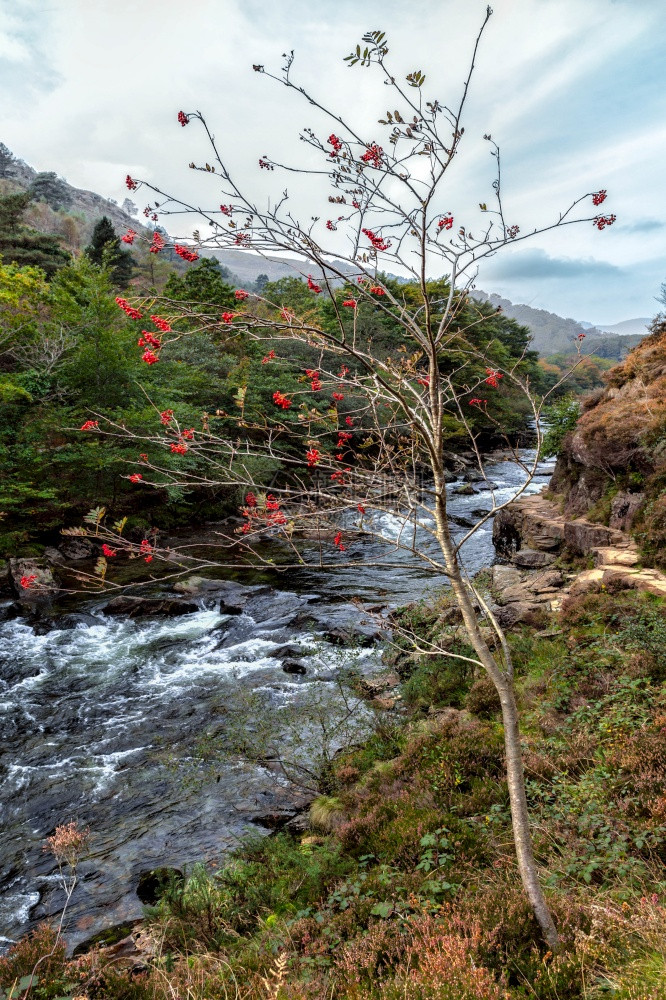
(613, 465)
(553, 334)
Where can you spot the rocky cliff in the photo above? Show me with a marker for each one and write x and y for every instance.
(613, 465)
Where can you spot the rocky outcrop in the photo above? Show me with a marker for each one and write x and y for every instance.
(612, 465)
(138, 607)
(532, 586)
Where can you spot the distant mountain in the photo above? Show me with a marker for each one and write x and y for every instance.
(553, 334)
(627, 327)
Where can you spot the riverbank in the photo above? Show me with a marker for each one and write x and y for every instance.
(405, 882)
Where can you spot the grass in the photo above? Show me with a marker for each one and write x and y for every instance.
(408, 888)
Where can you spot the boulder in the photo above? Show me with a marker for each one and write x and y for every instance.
(465, 490)
(294, 667)
(138, 607)
(581, 536)
(531, 559)
(609, 556)
(53, 555)
(76, 548)
(341, 626)
(486, 484)
(521, 613)
(232, 596)
(624, 508)
(548, 580)
(43, 585)
(505, 576)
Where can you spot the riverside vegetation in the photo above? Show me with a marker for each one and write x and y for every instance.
(408, 885)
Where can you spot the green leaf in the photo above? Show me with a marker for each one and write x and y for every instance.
(382, 909)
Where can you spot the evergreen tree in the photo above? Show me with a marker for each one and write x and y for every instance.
(7, 161)
(48, 187)
(24, 246)
(104, 250)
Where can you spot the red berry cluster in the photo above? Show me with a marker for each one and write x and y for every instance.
(166, 416)
(178, 448)
(337, 541)
(228, 318)
(185, 253)
(424, 380)
(149, 357)
(315, 383)
(446, 222)
(478, 402)
(599, 197)
(136, 477)
(157, 244)
(146, 549)
(127, 308)
(313, 456)
(335, 143)
(281, 400)
(129, 236)
(350, 303)
(241, 294)
(226, 209)
(313, 286)
(27, 581)
(161, 324)
(512, 232)
(150, 339)
(108, 551)
(378, 242)
(376, 290)
(269, 513)
(265, 165)
(131, 183)
(183, 118)
(90, 425)
(269, 357)
(602, 221)
(331, 225)
(338, 397)
(373, 155)
(493, 377)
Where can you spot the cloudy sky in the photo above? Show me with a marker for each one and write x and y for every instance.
(574, 91)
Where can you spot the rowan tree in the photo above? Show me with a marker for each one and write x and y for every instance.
(359, 441)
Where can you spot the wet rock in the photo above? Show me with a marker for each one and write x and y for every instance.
(8, 612)
(530, 559)
(473, 476)
(462, 522)
(76, 619)
(232, 596)
(53, 555)
(486, 484)
(76, 548)
(41, 588)
(465, 490)
(294, 667)
(479, 512)
(290, 650)
(138, 607)
(340, 626)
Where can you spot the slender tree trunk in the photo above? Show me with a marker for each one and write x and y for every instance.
(503, 681)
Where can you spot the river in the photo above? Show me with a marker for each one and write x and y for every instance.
(99, 721)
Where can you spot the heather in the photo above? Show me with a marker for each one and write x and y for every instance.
(405, 882)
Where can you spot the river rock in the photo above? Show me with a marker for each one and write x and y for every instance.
(138, 607)
(340, 626)
(549, 580)
(479, 512)
(76, 548)
(42, 587)
(485, 484)
(530, 559)
(294, 667)
(465, 490)
(462, 522)
(75, 619)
